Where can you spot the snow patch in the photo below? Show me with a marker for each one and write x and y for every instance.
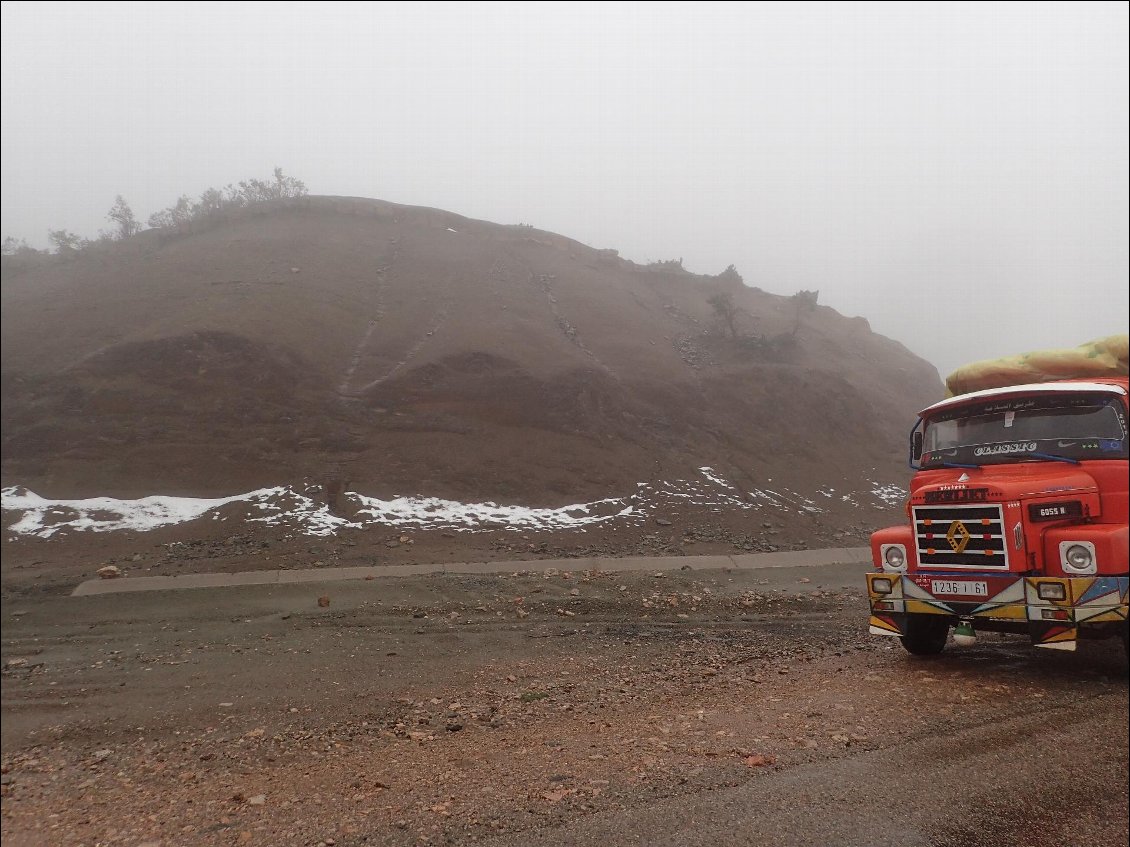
(44, 517)
(890, 495)
(302, 511)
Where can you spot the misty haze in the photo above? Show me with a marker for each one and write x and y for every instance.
(489, 422)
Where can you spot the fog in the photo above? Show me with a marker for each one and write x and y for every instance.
(956, 173)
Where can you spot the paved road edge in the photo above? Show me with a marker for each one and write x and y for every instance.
(752, 561)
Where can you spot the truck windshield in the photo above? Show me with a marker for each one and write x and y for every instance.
(1016, 429)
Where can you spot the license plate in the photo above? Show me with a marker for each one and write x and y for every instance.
(965, 587)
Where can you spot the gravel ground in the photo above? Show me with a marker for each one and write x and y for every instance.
(702, 707)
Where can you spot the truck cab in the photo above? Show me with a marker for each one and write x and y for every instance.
(1016, 520)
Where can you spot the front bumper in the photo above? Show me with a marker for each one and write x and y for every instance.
(1012, 603)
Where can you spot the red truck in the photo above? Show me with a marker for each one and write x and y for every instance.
(1017, 520)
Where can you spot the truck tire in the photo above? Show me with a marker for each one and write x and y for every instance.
(925, 635)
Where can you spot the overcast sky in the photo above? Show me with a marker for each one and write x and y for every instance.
(956, 173)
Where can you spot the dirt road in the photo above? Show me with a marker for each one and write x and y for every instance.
(564, 707)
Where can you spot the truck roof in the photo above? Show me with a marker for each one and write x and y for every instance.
(1072, 386)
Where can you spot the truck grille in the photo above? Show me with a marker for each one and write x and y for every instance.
(961, 537)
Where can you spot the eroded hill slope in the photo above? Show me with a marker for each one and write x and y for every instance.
(413, 351)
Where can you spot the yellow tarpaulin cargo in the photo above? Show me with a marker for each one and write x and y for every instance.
(1103, 357)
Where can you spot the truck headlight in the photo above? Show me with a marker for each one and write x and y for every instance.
(1051, 591)
(894, 558)
(882, 585)
(1078, 556)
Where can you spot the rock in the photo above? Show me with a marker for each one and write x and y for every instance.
(324, 601)
(393, 543)
(760, 761)
(110, 572)
(662, 522)
(257, 800)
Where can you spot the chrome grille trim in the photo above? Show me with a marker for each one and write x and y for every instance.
(985, 548)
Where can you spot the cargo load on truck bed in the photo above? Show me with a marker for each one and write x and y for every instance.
(1103, 357)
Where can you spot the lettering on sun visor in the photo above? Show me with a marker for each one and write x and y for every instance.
(1000, 449)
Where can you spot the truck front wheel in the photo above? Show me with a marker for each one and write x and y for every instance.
(925, 635)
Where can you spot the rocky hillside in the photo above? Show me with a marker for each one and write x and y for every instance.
(405, 350)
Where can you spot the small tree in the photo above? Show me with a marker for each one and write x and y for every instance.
(288, 186)
(18, 247)
(725, 310)
(122, 217)
(65, 242)
(181, 212)
(803, 303)
(211, 201)
(262, 191)
(731, 275)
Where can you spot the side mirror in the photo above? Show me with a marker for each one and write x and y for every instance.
(916, 446)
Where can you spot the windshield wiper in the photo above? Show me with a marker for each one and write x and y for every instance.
(1053, 457)
(944, 464)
